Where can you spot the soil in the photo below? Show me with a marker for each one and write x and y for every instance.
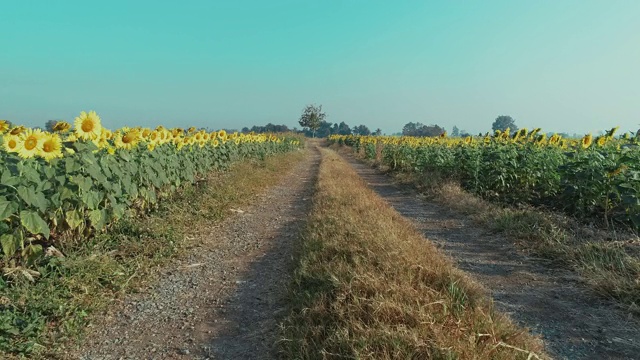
(556, 303)
(226, 298)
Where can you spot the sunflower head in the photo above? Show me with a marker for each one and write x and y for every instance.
(612, 132)
(32, 142)
(601, 141)
(88, 126)
(222, 134)
(4, 126)
(62, 127)
(17, 130)
(586, 141)
(11, 143)
(51, 147)
(177, 132)
(126, 139)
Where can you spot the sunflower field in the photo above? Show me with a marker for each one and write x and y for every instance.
(80, 178)
(592, 179)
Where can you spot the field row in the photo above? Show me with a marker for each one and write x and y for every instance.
(77, 180)
(593, 179)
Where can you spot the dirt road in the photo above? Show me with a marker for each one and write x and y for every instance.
(225, 300)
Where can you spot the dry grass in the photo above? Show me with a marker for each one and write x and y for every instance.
(608, 260)
(369, 286)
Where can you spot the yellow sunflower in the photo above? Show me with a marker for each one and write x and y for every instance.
(17, 130)
(154, 137)
(62, 127)
(51, 147)
(32, 142)
(12, 143)
(4, 126)
(601, 141)
(126, 140)
(586, 141)
(222, 134)
(88, 126)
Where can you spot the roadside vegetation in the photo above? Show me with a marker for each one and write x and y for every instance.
(604, 248)
(42, 318)
(369, 286)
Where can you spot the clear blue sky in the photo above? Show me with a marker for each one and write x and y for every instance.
(563, 65)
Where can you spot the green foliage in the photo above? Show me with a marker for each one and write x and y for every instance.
(83, 193)
(312, 116)
(600, 183)
(504, 122)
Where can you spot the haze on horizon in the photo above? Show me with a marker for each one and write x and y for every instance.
(566, 66)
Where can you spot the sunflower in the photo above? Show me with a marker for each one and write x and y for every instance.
(62, 127)
(126, 139)
(32, 141)
(215, 143)
(4, 126)
(12, 143)
(146, 132)
(17, 130)
(103, 143)
(151, 146)
(601, 141)
(222, 134)
(180, 143)
(88, 126)
(51, 147)
(467, 140)
(586, 141)
(191, 130)
(177, 132)
(71, 138)
(154, 137)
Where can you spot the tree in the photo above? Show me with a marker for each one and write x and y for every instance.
(311, 118)
(49, 125)
(455, 131)
(343, 129)
(410, 129)
(361, 130)
(503, 122)
(378, 132)
(419, 129)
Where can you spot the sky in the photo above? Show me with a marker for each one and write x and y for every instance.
(563, 65)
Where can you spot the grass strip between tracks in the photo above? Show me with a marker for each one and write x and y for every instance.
(368, 285)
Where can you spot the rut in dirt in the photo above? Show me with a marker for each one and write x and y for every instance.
(225, 300)
(555, 303)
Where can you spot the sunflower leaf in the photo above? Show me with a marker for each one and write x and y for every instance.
(7, 208)
(34, 223)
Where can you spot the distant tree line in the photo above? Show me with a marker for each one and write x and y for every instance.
(324, 129)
